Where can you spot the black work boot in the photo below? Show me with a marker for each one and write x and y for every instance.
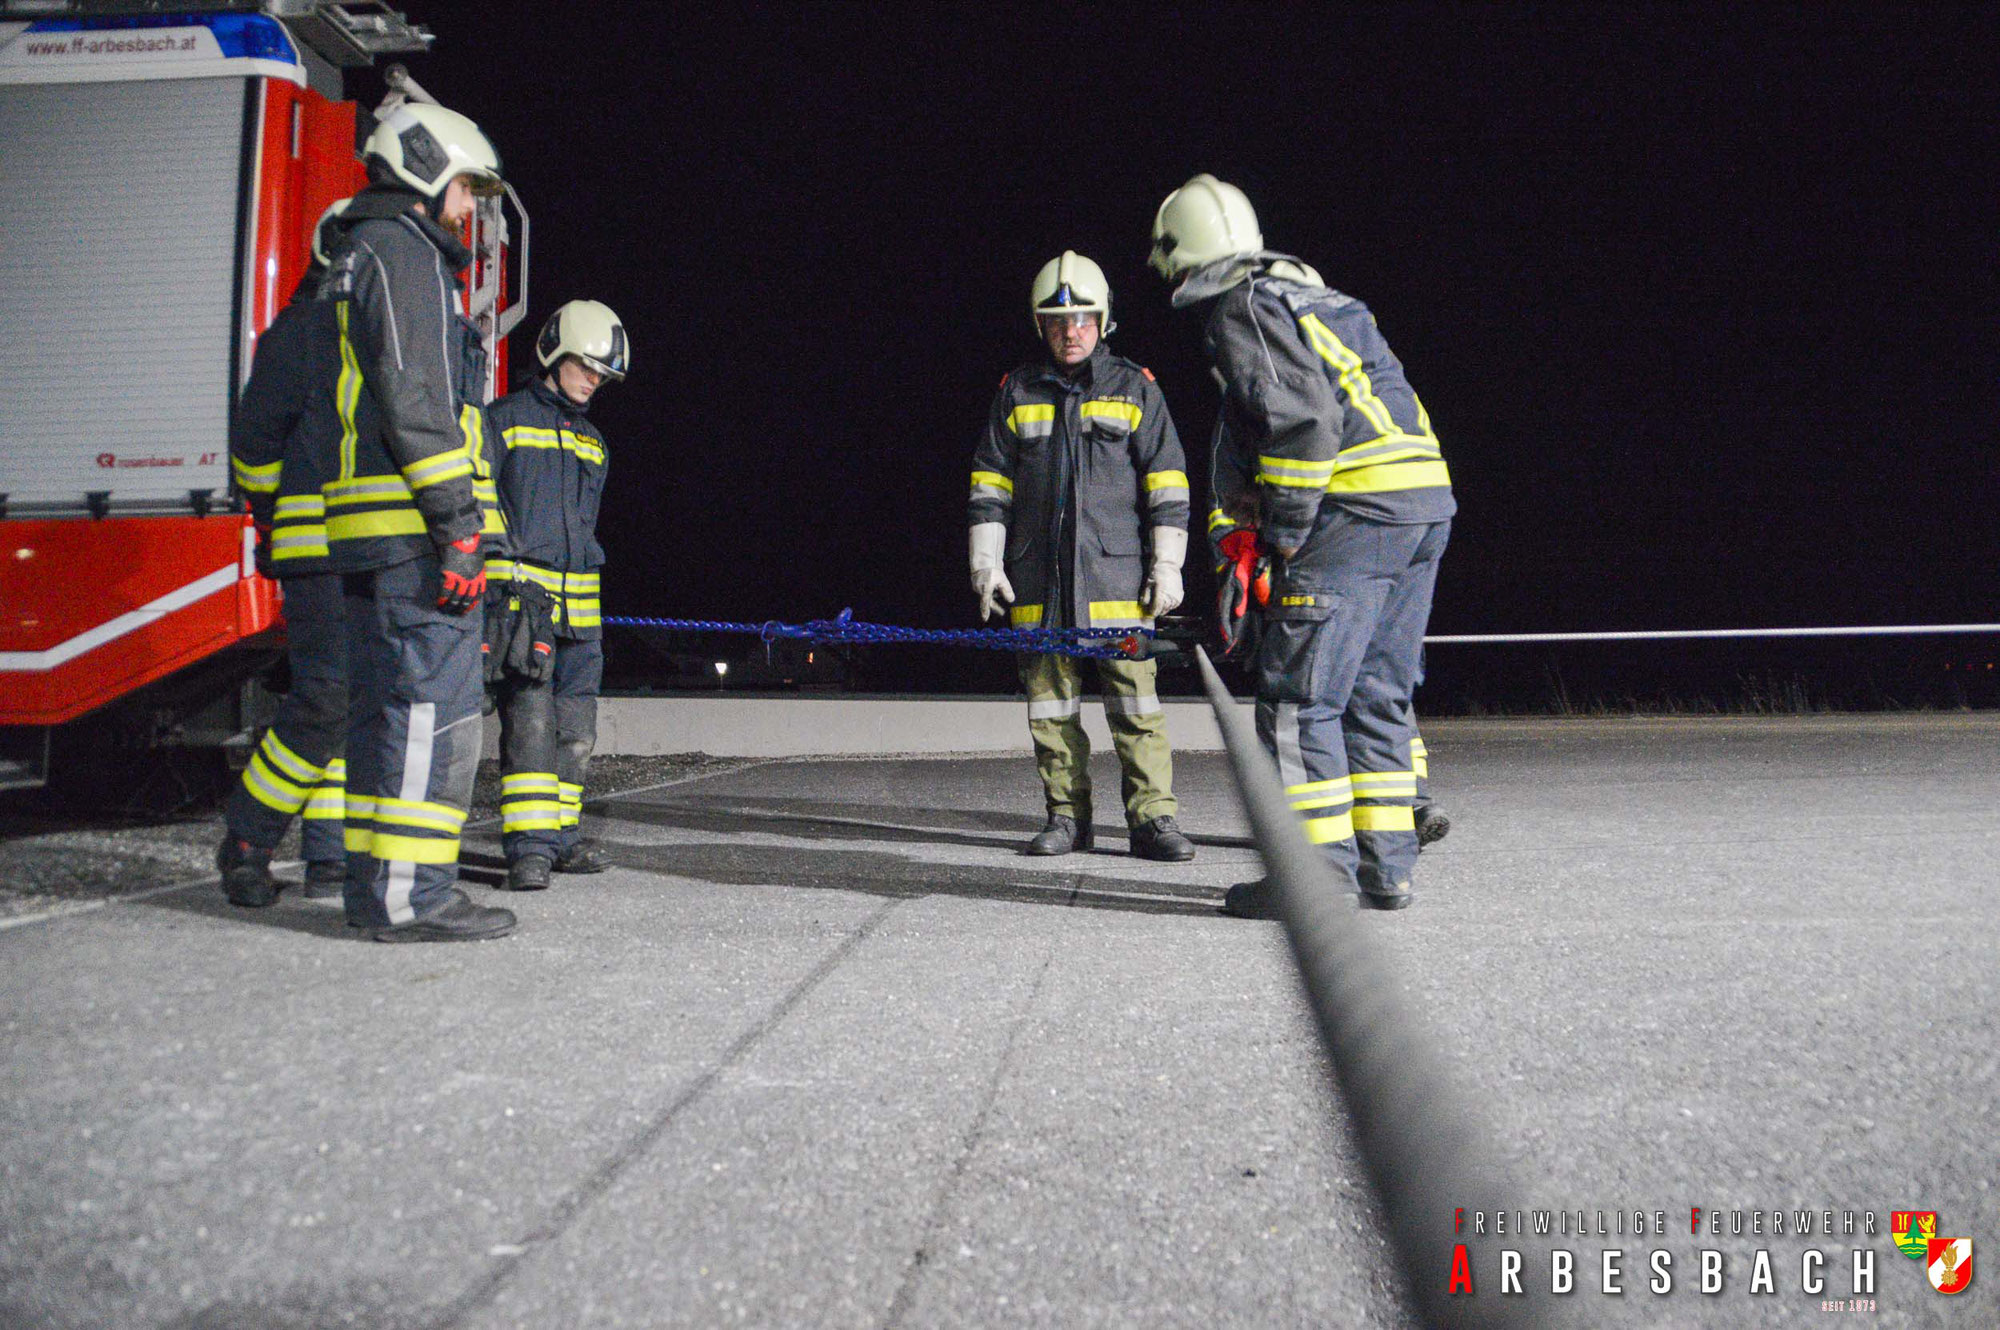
(246, 873)
(1062, 835)
(1432, 825)
(1388, 896)
(325, 879)
(456, 920)
(582, 857)
(1252, 900)
(528, 873)
(1162, 839)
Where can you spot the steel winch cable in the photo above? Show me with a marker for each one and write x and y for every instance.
(1424, 1155)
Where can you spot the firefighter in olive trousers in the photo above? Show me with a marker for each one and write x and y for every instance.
(297, 769)
(1078, 470)
(1348, 490)
(402, 519)
(552, 470)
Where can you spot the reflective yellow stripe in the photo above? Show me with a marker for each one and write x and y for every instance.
(420, 813)
(1291, 482)
(347, 394)
(437, 469)
(531, 817)
(413, 849)
(529, 780)
(1326, 830)
(1160, 480)
(472, 425)
(286, 761)
(270, 789)
(1029, 413)
(993, 478)
(357, 526)
(356, 840)
(545, 578)
(327, 803)
(1297, 467)
(1390, 476)
(307, 506)
(1024, 616)
(1320, 786)
(1389, 817)
(1353, 378)
(367, 489)
(1217, 517)
(303, 542)
(1364, 454)
(1100, 610)
(256, 479)
(1098, 408)
(1322, 801)
(582, 582)
(527, 436)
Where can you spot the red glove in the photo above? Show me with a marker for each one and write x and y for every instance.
(1245, 580)
(464, 582)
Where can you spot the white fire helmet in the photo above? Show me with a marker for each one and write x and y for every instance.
(427, 147)
(1201, 222)
(323, 231)
(1071, 284)
(588, 330)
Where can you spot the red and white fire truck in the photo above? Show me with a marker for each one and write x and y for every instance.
(160, 173)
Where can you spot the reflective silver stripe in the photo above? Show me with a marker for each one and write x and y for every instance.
(1115, 705)
(1054, 708)
(1034, 429)
(417, 750)
(1291, 762)
(1166, 494)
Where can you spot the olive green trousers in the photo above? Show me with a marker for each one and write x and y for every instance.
(1138, 734)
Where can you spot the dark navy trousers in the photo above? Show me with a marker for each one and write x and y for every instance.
(413, 740)
(296, 769)
(1339, 658)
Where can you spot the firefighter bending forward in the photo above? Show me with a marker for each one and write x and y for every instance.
(1337, 470)
(1079, 465)
(552, 471)
(403, 522)
(297, 769)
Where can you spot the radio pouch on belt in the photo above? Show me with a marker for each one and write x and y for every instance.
(531, 637)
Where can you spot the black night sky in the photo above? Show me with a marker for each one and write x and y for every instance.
(1701, 297)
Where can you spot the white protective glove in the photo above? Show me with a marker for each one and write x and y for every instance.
(1163, 590)
(989, 582)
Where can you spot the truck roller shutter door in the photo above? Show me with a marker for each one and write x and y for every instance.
(118, 244)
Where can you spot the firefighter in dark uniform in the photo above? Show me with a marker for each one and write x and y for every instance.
(296, 769)
(401, 518)
(1323, 447)
(1078, 519)
(553, 462)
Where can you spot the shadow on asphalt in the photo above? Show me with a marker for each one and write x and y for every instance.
(323, 919)
(821, 819)
(880, 873)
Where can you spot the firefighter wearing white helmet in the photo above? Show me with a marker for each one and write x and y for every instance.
(399, 517)
(1325, 452)
(1078, 519)
(296, 770)
(552, 468)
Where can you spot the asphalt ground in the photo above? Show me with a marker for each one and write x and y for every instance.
(824, 1050)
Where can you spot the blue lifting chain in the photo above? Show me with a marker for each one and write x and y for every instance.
(1090, 643)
